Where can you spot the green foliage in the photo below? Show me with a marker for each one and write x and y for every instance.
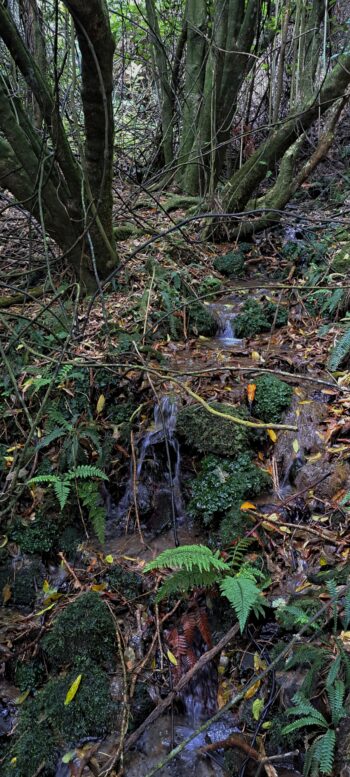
(222, 484)
(231, 264)
(46, 723)
(29, 675)
(188, 557)
(209, 285)
(320, 756)
(272, 397)
(126, 583)
(212, 434)
(90, 498)
(200, 320)
(196, 566)
(232, 526)
(38, 536)
(84, 629)
(242, 593)
(258, 317)
(339, 352)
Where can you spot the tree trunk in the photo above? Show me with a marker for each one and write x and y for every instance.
(164, 84)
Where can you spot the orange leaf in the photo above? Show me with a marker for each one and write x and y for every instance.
(247, 506)
(251, 389)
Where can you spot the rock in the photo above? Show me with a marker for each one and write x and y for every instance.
(308, 418)
(336, 477)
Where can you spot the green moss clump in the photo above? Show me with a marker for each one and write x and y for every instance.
(24, 580)
(129, 584)
(341, 260)
(39, 536)
(258, 317)
(272, 397)
(231, 264)
(46, 723)
(123, 231)
(233, 526)
(209, 285)
(29, 675)
(201, 321)
(222, 484)
(84, 629)
(210, 434)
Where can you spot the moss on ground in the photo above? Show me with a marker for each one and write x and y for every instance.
(23, 579)
(46, 724)
(201, 320)
(208, 433)
(256, 317)
(29, 675)
(39, 536)
(84, 629)
(222, 484)
(233, 526)
(128, 584)
(272, 398)
(231, 264)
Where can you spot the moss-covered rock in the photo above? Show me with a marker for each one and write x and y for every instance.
(29, 675)
(39, 536)
(258, 317)
(208, 433)
(84, 629)
(128, 584)
(23, 579)
(209, 285)
(123, 231)
(341, 260)
(272, 398)
(222, 484)
(47, 725)
(231, 264)
(201, 320)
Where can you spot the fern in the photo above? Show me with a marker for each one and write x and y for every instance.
(242, 593)
(86, 471)
(197, 566)
(90, 497)
(336, 695)
(188, 557)
(332, 590)
(55, 434)
(339, 352)
(62, 484)
(239, 552)
(183, 581)
(324, 751)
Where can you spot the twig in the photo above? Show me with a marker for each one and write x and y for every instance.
(77, 583)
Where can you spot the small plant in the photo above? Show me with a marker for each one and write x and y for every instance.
(196, 566)
(87, 492)
(320, 756)
(272, 397)
(258, 317)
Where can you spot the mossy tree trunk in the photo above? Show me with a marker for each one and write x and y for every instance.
(74, 202)
(163, 80)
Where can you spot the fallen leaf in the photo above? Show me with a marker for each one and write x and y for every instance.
(295, 446)
(251, 389)
(247, 506)
(72, 690)
(100, 403)
(257, 708)
(6, 593)
(272, 435)
(252, 690)
(172, 658)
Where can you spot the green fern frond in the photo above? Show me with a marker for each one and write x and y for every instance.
(43, 479)
(333, 671)
(243, 594)
(183, 581)
(49, 438)
(306, 654)
(339, 352)
(324, 751)
(302, 722)
(303, 707)
(336, 695)
(61, 489)
(346, 613)
(97, 517)
(85, 471)
(188, 557)
(239, 552)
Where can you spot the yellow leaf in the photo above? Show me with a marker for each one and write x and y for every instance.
(247, 506)
(6, 593)
(314, 457)
(13, 760)
(267, 724)
(72, 690)
(272, 435)
(252, 691)
(172, 658)
(20, 699)
(323, 561)
(100, 403)
(257, 708)
(298, 391)
(255, 356)
(99, 587)
(295, 446)
(3, 540)
(259, 664)
(109, 559)
(46, 586)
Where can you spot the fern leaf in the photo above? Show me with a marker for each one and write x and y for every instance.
(336, 695)
(86, 471)
(188, 557)
(242, 593)
(346, 614)
(306, 654)
(182, 581)
(239, 552)
(324, 751)
(98, 520)
(43, 479)
(305, 708)
(301, 723)
(339, 352)
(61, 489)
(49, 438)
(333, 671)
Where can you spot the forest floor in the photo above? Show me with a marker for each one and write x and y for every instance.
(91, 404)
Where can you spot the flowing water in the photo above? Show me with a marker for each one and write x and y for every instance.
(225, 312)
